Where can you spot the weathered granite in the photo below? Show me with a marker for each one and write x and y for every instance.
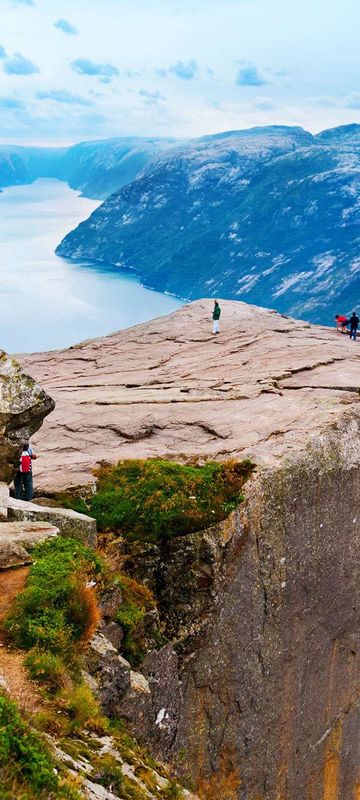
(170, 388)
(23, 406)
(70, 523)
(111, 672)
(17, 539)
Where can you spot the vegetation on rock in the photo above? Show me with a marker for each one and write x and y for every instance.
(27, 769)
(155, 499)
(55, 609)
(137, 601)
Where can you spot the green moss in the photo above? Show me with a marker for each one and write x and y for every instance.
(155, 499)
(109, 774)
(131, 791)
(54, 611)
(137, 600)
(173, 791)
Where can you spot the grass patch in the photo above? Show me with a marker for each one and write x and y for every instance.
(155, 499)
(48, 669)
(27, 770)
(55, 610)
(82, 710)
(110, 775)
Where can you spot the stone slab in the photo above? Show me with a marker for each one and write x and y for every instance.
(69, 522)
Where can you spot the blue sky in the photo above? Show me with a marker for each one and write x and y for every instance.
(82, 69)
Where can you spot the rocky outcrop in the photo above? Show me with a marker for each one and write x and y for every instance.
(257, 694)
(23, 406)
(169, 388)
(17, 539)
(70, 523)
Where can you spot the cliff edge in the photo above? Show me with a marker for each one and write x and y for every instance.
(261, 696)
(169, 388)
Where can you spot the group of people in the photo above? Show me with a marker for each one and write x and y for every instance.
(343, 322)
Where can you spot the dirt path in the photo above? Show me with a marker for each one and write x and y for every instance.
(13, 674)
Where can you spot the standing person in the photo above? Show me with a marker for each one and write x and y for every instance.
(216, 316)
(354, 324)
(24, 479)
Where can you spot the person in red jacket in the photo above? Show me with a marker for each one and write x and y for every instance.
(341, 322)
(23, 482)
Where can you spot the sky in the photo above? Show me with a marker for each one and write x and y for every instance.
(74, 70)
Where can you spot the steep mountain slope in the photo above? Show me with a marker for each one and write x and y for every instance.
(268, 215)
(100, 168)
(97, 168)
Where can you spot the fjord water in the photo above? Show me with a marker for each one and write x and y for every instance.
(46, 301)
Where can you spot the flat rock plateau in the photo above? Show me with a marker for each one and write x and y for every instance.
(170, 388)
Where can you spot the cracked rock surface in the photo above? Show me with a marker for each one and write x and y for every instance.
(169, 388)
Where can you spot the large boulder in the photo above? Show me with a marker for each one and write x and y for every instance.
(23, 406)
(69, 522)
(17, 539)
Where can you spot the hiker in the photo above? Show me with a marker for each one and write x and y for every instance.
(354, 324)
(216, 316)
(24, 480)
(341, 322)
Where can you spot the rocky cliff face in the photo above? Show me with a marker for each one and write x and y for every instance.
(257, 693)
(263, 697)
(270, 694)
(23, 406)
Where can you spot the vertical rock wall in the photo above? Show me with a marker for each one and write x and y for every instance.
(271, 700)
(269, 659)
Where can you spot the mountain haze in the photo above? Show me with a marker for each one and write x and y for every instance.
(96, 168)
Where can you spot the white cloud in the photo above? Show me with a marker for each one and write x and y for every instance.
(121, 47)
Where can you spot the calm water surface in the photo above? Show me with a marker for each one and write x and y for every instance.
(47, 302)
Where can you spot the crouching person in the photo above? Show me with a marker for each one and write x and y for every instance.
(23, 482)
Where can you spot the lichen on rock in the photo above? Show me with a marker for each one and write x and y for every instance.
(23, 406)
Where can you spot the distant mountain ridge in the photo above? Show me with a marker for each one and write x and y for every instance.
(96, 168)
(267, 215)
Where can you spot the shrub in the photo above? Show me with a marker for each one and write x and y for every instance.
(47, 668)
(156, 499)
(55, 610)
(24, 751)
(83, 709)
